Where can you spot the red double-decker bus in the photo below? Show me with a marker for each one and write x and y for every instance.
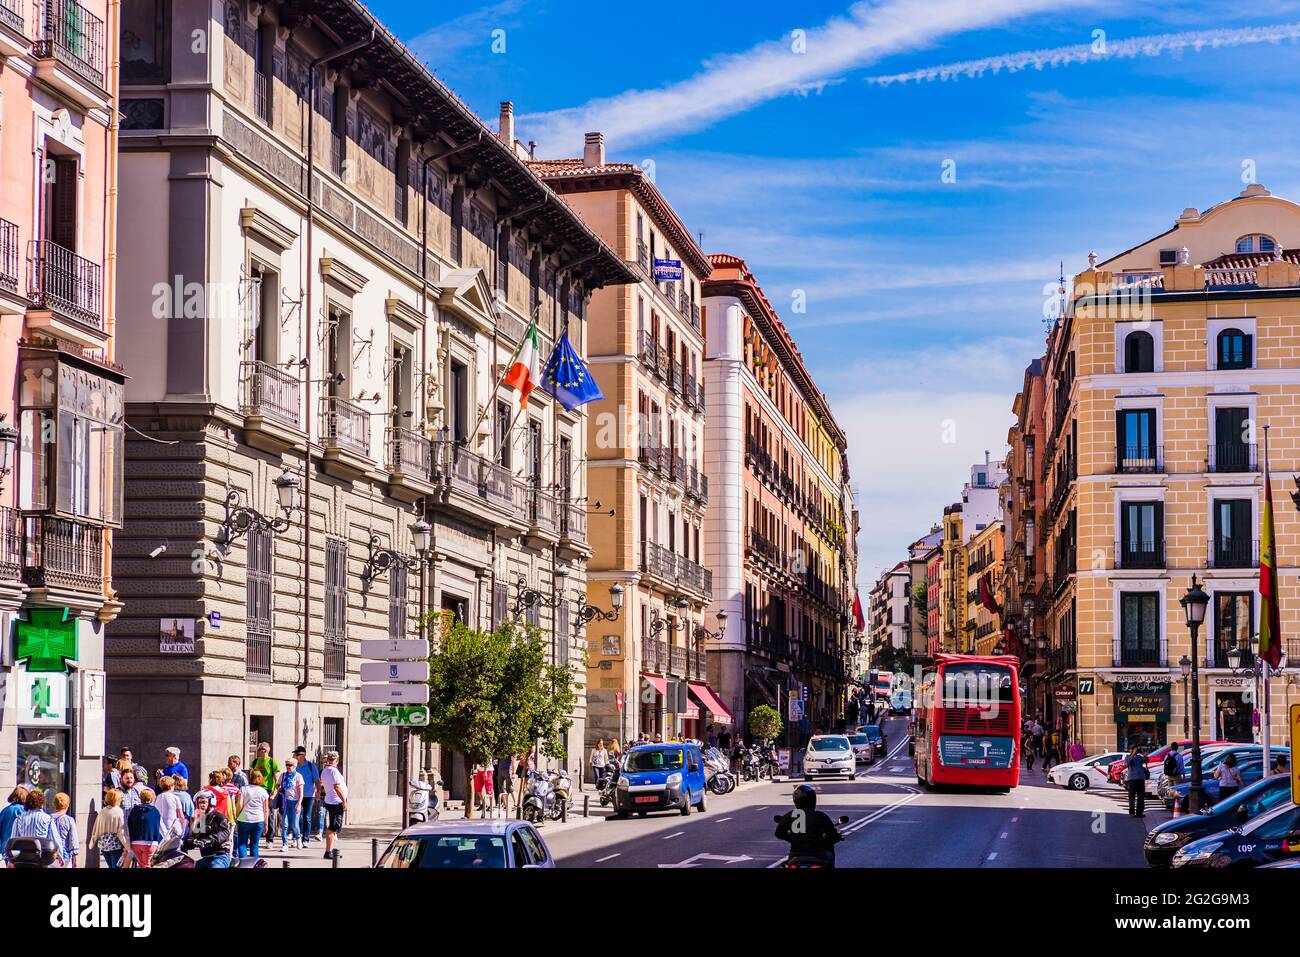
(966, 729)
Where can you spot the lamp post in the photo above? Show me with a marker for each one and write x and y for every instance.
(8, 442)
(240, 518)
(1194, 603)
(589, 613)
(1185, 666)
(422, 539)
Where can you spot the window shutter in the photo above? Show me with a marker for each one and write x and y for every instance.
(1120, 438)
(63, 215)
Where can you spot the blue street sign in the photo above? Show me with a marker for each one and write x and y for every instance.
(667, 270)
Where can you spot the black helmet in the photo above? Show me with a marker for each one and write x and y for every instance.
(805, 798)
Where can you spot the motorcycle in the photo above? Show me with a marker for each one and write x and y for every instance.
(750, 765)
(717, 772)
(542, 797)
(172, 855)
(810, 861)
(769, 762)
(421, 805)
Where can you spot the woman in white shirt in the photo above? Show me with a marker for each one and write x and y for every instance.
(171, 809)
(251, 819)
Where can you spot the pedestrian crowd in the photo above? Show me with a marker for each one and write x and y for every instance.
(233, 816)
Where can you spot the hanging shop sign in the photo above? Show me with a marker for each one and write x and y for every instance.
(42, 698)
(1141, 702)
(47, 640)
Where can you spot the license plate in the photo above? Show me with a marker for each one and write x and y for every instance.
(647, 799)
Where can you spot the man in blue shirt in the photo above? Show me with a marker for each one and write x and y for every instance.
(310, 780)
(174, 764)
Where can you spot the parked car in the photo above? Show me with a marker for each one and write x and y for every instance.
(661, 777)
(1272, 836)
(1081, 775)
(862, 748)
(1156, 760)
(1249, 759)
(829, 754)
(461, 843)
(1165, 839)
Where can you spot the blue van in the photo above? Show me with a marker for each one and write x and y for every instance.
(660, 777)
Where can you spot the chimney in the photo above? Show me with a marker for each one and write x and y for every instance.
(506, 129)
(593, 151)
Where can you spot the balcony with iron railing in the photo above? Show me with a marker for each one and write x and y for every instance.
(63, 553)
(267, 390)
(1233, 552)
(8, 256)
(1146, 553)
(11, 544)
(695, 316)
(1139, 459)
(675, 376)
(649, 456)
(408, 452)
(11, 15)
(677, 660)
(1233, 457)
(72, 35)
(643, 256)
(654, 655)
(1139, 656)
(573, 521)
(344, 425)
(65, 283)
(647, 352)
(543, 510)
(661, 362)
(472, 475)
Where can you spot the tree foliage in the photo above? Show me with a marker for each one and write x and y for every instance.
(765, 722)
(494, 693)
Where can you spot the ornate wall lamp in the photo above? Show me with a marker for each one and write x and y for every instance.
(589, 613)
(240, 518)
(379, 559)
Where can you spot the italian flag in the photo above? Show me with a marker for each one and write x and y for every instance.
(1270, 637)
(526, 372)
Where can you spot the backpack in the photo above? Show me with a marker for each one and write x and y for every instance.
(1171, 764)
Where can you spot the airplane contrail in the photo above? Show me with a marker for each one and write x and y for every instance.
(1099, 49)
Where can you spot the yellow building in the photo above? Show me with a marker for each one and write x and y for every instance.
(952, 590)
(1169, 363)
(983, 628)
(645, 457)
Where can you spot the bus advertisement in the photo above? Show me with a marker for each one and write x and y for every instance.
(967, 726)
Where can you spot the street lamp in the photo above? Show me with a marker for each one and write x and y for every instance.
(589, 613)
(1185, 666)
(240, 518)
(8, 442)
(703, 634)
(379, 559)
(1194, 603)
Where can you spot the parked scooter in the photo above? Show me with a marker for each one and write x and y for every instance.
(422, 806)
(749, 766)
(561, 785)
(769, 761)
(542, 797)
(717, 772)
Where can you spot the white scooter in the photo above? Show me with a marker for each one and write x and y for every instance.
(421, 805)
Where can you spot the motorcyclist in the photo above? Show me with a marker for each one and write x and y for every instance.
(209, 833)
(808, 831)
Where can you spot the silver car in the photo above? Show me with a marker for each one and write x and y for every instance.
(829, 754)
(461, 843)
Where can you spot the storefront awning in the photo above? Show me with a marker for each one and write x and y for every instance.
(656, 682)
(709, 701)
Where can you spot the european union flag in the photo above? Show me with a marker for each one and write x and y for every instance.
(567, 377)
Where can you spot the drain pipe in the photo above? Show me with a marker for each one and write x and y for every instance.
(312, 70)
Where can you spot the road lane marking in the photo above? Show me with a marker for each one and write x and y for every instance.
(719, 820)
(1003, 836)
(609, 857)
(673, 835)
(993, 855)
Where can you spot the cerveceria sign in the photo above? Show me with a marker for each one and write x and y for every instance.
(1141, 701)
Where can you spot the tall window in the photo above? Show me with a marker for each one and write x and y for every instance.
(1236, 349)
(504, 451)
(60, 218)
(1141, 534)
(336, 609)
(257, 604)
(1135, 440)
(1139, 629)
(397, 601)
(1139, 352)
(1233, 545)
(144, 41)
(1230, 451)
(458, 402)
(1234, 622)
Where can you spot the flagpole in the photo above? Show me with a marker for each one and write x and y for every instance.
(505, 371)
(1265, 736)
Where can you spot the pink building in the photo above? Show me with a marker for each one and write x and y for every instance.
(61, 439)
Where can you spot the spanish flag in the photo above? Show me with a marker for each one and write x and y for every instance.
(1270, 618)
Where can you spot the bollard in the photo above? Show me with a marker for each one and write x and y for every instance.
(374, 852)
(284, 863)
(586, 806)
(334, 859)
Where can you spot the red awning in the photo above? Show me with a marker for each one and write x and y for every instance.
(709, 701)
(659, 684)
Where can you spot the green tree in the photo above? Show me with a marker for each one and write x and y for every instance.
(765, 722)
(494, 693)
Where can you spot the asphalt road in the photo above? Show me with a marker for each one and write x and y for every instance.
(891, 824)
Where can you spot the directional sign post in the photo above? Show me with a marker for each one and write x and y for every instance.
(416, 715)
(394, 649)
(394, 694)
(416, 671)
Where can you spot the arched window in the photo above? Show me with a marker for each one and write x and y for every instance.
(1139, 352)
(1236, 349)
(1246, 244)
(1266, 244)
(1256, 242)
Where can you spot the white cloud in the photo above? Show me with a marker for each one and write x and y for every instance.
(1100, 50)
(441, 43)
(734, 83)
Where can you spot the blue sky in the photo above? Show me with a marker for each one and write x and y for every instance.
(925, 298)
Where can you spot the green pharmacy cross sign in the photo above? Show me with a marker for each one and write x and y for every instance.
(47, 640)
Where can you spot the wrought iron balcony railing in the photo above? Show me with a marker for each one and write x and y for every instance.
(1233, 457)
(270, 391)
(74, 36)
(409, 452)
(11, 14)
(1140, 554)
(11, 544)
(344, 425)
(1230, 552)
(573, 521)
(60, 552)
(1145, 458)
(8, 254)
(65, 283)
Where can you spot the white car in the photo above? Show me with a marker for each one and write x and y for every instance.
(1081, 775)
(829, 754)
(862, 749)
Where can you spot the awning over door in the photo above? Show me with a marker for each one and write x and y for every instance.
(656, 682)
(709, 701)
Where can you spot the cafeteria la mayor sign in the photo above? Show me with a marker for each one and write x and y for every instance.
(1141, 700)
